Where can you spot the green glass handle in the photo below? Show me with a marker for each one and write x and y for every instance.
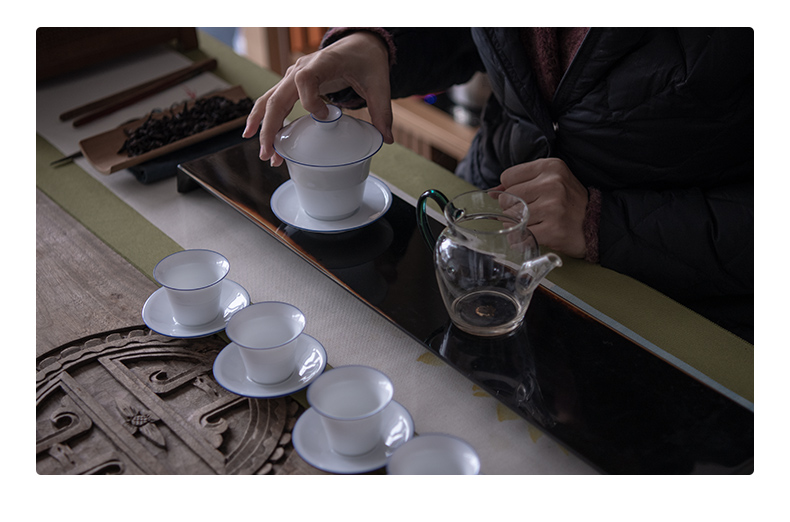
(422, 214)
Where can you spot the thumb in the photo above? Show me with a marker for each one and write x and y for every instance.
(381, 118)
(377, 97)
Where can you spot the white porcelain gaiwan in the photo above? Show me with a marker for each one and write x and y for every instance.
(329, 161)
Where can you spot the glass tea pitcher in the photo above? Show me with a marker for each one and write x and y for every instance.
(487, 261)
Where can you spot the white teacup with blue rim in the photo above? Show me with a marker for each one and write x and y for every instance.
(192, 280)
(266, 334)
(434, 454)
(349, 401)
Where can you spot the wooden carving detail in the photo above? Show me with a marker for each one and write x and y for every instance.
(135, 402)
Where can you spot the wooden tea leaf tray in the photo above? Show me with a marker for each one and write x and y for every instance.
(103, 149)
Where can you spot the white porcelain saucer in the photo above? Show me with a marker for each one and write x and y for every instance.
(311, 444)
(376, 202)
(158, 315)
(229, 371)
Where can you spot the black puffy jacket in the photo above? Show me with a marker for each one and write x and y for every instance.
(660, 120)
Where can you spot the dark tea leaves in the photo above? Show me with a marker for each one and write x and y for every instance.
(205, 114)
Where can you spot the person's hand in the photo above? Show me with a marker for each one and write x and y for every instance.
(557, 203)
(359, 60)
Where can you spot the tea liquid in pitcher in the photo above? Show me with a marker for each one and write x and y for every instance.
(486, 311)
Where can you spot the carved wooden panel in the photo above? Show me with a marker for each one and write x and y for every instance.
(135, 402)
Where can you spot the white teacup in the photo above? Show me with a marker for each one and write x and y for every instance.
(192, 280)
(434, 454)
(329, 162)
(349, 401)
(330, 194)
(267, 334)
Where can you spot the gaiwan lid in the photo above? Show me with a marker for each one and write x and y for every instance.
(338, 140)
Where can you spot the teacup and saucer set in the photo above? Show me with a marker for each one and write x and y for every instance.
(434, 454)
(352, 425)
(331, 190)
(269, 354)
(196, 298)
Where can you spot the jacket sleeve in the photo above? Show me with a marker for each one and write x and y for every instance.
(671, 149)
(422, 60)
(431, 60)
(686, 243)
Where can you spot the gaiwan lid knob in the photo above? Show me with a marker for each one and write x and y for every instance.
(337, 140)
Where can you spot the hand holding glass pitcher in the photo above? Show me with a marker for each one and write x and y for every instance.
(557, 203)
(487, 261)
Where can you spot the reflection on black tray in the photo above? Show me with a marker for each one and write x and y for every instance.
(613, 403)
(351, 256)
(605, 398)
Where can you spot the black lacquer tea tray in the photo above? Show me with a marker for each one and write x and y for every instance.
(612, 402)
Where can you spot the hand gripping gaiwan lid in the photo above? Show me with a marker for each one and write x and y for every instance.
(338, 140)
